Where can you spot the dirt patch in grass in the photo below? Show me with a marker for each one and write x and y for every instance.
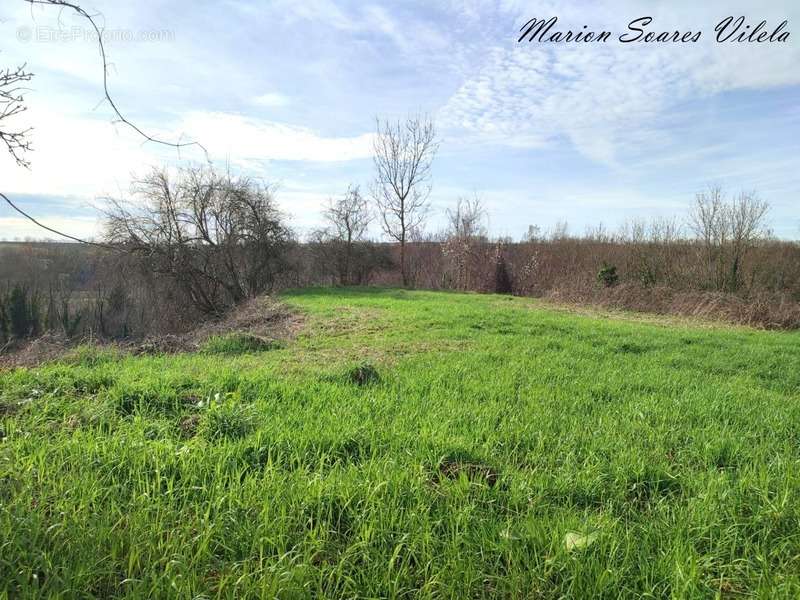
(189, 425)
(353, 320)
(8, 408)
(474, 471)
(263, 317)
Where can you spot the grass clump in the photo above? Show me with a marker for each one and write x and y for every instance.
(239, 343)
(227, 420)
(362, 374)
(89, 355)
(145, 398)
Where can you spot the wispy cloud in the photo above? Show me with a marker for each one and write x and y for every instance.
(602, 97)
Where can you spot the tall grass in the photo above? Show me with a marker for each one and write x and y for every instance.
(500, 449)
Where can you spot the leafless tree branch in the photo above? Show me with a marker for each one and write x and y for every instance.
(12, 104)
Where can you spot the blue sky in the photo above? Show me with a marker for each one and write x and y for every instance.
(288, 91)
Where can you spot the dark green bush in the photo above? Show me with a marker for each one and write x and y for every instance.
(608, 275)
(22, 308)
(4, 324)
(502, 278)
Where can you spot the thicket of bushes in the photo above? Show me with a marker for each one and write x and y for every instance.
(118, 297)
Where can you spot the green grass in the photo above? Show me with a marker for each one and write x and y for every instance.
(238, 343)
(411, 444)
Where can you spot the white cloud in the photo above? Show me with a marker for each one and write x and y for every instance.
(244, 138)
(90, 157)
(77, 155)
(271, 99)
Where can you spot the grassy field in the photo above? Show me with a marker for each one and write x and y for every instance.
(411, 444)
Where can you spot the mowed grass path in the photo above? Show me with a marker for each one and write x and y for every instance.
(411, 444)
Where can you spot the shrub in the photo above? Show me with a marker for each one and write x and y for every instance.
(59, 315)
(608, 275)
(23, 312)
(647, 276)
(245, 237)
(502, 278)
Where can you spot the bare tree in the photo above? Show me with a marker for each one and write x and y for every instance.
(727, 231)
(534, 234)
(706, 220)
(465, 235)
(746, 215)
(468, 219)
(12, 104)
(220, 238)
(559, 232)
(403, 155)
(598, 233)
(348, 218)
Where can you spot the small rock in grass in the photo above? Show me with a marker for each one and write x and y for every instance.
(574, 540)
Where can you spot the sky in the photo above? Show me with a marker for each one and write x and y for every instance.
(288, 92)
